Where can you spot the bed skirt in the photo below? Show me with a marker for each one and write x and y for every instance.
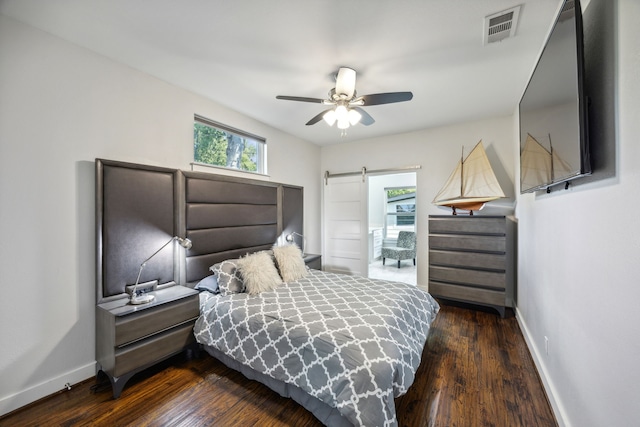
(326, 414)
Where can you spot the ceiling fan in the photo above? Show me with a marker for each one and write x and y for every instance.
(346, 103)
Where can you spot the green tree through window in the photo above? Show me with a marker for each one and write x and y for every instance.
(217, 146)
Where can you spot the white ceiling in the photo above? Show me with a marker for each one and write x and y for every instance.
(243, 53)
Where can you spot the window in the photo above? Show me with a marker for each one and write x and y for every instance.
(215, 144)
(400, 212)
(406, 214)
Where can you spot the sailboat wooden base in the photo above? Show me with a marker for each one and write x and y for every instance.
(472, 206)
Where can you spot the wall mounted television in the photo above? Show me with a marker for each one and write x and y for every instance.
(554, 142)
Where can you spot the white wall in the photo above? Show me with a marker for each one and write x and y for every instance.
(579, 269)
(437, 151)
(61, 107)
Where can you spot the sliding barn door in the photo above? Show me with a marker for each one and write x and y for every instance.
(345, 226)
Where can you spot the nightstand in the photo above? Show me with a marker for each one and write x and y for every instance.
(313, 261)
(130, 338)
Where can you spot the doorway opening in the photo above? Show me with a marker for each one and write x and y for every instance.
(391, 209)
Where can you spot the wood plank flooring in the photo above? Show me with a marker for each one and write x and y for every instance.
(476, 371)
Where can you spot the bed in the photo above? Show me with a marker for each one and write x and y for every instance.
(343, 346)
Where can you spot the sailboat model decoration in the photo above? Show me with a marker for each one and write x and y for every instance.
(471, 184)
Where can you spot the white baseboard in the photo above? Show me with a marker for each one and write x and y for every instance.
(556, 406)
(46, 388)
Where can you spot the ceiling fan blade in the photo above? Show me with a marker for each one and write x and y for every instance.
(366, 119)
(346, 82)
(301, 99)
(317, 118)
(386, 98)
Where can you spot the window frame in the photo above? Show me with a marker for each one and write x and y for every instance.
(394, 215)
(261, 145)
(404, 214)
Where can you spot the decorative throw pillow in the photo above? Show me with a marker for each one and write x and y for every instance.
(229, 280)
(259, 273)
(290, 262)
(209, 283)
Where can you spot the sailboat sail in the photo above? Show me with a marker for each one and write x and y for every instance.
(539, 165)
(471, 184)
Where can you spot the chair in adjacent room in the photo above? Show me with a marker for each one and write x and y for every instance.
(405, 248)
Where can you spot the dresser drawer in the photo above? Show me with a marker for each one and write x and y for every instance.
(153, 349)
(468, 259)
(463, 293)
(136, 326)
(463, 276)
(495, 244)
(462, 225)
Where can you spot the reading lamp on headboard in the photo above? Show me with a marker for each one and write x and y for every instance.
(291, 239)
(147, 298)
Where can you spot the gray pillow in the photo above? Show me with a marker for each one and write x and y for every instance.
(229, 279)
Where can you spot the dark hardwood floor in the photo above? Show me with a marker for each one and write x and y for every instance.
(476, 371)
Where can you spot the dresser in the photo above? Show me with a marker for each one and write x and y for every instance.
(131, 338)
(472, 259)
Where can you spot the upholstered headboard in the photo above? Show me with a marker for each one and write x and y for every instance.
(227, 217)
(139, 208)
(135, 215)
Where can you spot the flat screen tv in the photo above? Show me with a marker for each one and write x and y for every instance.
(554, 143)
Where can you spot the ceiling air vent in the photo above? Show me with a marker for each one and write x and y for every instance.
(501, 25)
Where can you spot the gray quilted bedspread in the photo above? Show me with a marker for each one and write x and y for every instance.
(352, 342)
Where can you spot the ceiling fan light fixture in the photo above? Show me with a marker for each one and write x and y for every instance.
(354, 117)
(330, 117)
(342, 114)
(343, 124)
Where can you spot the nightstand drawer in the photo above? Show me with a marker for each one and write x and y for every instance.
(136, 326)
(153, 349)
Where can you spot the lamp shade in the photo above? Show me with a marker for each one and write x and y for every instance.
(342, 113)
(354, 117)
(330, 117)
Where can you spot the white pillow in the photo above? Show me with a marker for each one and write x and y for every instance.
(258, 273)
(290, 262)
